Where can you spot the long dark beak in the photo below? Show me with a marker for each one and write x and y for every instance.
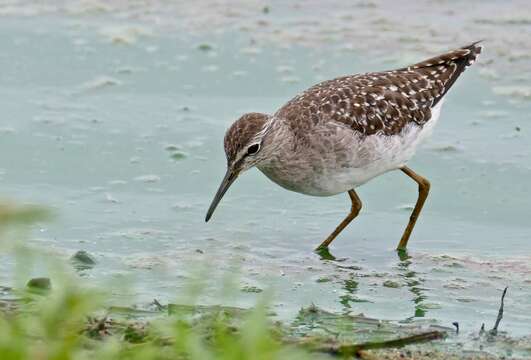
(227, 181)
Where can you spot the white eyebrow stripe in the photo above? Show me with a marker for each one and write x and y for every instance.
(259, 135)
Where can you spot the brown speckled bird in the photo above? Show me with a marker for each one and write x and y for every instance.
(341, 133)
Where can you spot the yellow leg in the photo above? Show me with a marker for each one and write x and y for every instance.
(354, 211)
(424, 188)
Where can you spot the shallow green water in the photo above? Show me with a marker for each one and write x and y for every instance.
(124, 142)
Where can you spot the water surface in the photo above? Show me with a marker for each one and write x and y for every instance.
(117, 123)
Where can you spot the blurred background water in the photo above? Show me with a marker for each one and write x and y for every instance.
(113, 114)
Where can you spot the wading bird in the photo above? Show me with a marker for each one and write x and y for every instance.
(341, 133)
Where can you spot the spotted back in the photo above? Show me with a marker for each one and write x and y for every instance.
(380, 102)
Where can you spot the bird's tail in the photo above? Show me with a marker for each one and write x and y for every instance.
(463, 57)
(447, 67)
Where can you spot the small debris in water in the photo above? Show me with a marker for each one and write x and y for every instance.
(205, 47)
(391, 284)
(82, 260)
(251, 289)
(446, 148)
(178, 155)
(135, 333)
(465, 300)
(158, 305)
(494, 330)
(98, 328)
(39, 284)
(125, 70)
(172, 147)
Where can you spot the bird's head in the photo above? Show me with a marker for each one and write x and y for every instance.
(244, 148)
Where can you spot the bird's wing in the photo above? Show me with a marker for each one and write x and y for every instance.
(383, 102)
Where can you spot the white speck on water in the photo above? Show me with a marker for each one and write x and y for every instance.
(494, 114)
(117, 182)
(407, 207)
(7, 130)
(79, 42)
(239, 73)
(101, 82)
(489, 73)
(290, 79)
(181, 206)
(109, 198)
(152, 49)
(155, 190)
(96, 188)
(125, 34)
(522, 92)
(251, 50)
(210, 68)
(150, 178)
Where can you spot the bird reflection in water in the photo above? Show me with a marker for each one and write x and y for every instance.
(413, 283)
(411, 278)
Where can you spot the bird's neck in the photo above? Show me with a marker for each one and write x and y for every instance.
(278, 140)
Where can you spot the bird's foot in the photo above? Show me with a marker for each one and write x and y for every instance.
(324, 253)
(402, 254)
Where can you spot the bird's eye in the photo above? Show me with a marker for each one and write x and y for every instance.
(253, 149)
